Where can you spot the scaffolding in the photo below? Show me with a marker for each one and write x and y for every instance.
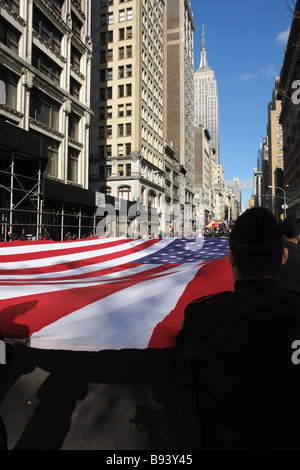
(21, 197)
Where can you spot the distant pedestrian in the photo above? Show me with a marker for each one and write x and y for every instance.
(23, 235)
(289, 275)
(237, 349)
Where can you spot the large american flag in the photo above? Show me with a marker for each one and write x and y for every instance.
(111, 293)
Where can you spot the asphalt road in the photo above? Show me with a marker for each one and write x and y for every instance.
(111, 400)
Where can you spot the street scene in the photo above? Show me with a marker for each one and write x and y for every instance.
(149, 227)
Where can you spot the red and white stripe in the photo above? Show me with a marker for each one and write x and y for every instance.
(92, 294)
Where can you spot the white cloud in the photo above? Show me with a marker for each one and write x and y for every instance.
(245, 77)
(269, 71)
(282, 38)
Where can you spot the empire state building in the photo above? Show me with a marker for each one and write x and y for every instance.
(206, 100)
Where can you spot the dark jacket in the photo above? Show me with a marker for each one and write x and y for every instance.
(289, 275)
(237, 347)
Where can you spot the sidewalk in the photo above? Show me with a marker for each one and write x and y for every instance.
(111, 400)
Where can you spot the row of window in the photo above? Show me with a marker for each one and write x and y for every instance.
(124, 15)
(124, 130)
(123, 150)
(123, 53)
(124, 110)
(124, 193)
(108, 36)
(123, 170)
(42, 63)
(106, 93)
(123, 72)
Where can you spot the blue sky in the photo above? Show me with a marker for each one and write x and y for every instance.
(245, 43)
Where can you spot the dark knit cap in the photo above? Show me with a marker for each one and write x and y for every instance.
(290, 227)
(256, 227)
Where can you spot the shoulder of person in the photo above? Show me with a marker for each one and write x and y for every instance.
(212, 297)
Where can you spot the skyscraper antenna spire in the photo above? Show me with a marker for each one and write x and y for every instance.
(203, 61)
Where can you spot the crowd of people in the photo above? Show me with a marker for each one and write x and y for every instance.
(238, 350)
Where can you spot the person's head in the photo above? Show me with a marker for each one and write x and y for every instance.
(290, 228)
(256, 247)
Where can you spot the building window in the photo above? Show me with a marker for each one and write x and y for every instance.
(45, 28)
(53, 157)
(121, 53)
(109, 112)
(76, 58)
(121, 110)
(109, 55)
(124, 170)
(9, 36)
(121, 71)
(73, 157)
(128, 149)
(108, 151)
(45, 65)
(129, 14)
(128, 89)
(44, 109)
(121, 91)
(129, 52)
(121, 170)
(8, 88)
(74, 121)
(129, 32)
(128, 109)
(124, 193)
(122, 15)
(109, 131)
(109, 74)
(120, 150)
(108, 171)
(121, 34)
(120, 130)
(129, 70)
(75, 88)
(128, 128)
(110, 36)
(76, 25)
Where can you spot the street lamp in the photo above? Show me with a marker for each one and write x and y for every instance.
(284, 197)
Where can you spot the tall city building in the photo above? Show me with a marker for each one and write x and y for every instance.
(235, 188)
(127, 145)
(45, 57)
(204, 173)
(289, 118)
(206, 100)
(275, 135)
(179, 86)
